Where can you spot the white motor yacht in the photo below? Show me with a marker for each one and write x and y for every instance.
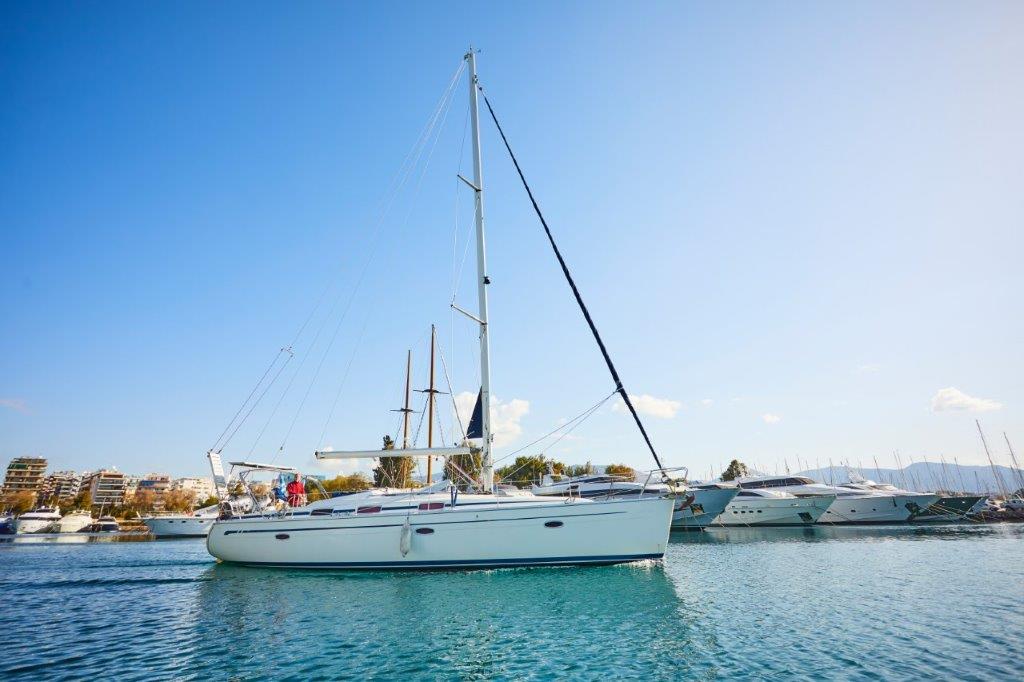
(195, 525)
(198, 523)
(773, 508)
(73, 522)
(440, 526)
(854, 503)
(39, 520)
(694, 508)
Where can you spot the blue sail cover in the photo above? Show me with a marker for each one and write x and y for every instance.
(476, 422)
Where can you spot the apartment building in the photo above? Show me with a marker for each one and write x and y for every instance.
(25, 474)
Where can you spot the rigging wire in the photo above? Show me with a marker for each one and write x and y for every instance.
(575, 422)
(401, 178)
(257, 402)
(445, 105)
(572, 285)
(344, 379)
(277, 356)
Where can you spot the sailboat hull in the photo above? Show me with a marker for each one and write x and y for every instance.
(466, 536)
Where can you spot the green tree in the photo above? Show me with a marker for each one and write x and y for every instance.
(83, 500)
(471, 465)
(19, 502)
(393, 472)
(210, 501)
(736, 469)
(141, 501)
(528, 469)
(619, 470)
(179, 500)
(573, 470)
(340, 483)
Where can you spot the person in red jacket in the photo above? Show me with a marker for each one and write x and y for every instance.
(296, 492)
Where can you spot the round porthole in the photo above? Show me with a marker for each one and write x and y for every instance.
(552, 524)
(282, 536)
(424, 531)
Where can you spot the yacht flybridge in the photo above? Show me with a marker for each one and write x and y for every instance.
(442, 526)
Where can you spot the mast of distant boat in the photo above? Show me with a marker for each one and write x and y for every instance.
(430, 403)
(482, 280)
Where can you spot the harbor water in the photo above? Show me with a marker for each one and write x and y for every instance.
(817, 603)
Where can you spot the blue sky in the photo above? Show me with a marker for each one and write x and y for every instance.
(798, 226)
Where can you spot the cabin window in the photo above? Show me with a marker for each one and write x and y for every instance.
(282, 536)
(427, 506)
(368, 510)
(424, 531)
(552, 524)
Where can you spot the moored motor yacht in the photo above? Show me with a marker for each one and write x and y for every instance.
(773, 508)
(73, 522)
(854, 503)
(949, 508)
(694, 508)
(198, 523)
(39, 520)
(195, 525)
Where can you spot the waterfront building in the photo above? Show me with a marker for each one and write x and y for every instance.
(61, 486)
(106, 487)
(158, 484)
(131, 485)
(203, 488)
(25, 474)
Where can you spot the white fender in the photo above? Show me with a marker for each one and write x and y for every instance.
(405, 543)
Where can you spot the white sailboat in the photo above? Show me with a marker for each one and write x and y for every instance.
(439, 526)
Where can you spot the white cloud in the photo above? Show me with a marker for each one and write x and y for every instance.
(663, 408)
(870, 368)
(707, 402)
(345, 467)
(954, 400)
(770, 418)
(16, 404)
(504, 416)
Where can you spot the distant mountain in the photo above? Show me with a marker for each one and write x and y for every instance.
(925, 476)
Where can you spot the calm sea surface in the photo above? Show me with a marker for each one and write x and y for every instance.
(823, 603)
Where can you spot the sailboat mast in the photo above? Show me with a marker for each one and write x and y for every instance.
(405, 408)
(430, 402)
(482, 279)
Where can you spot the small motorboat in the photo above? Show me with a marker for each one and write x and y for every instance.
(104, 524)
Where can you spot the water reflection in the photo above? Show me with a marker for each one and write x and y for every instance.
(476, 624)
(825, 533)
